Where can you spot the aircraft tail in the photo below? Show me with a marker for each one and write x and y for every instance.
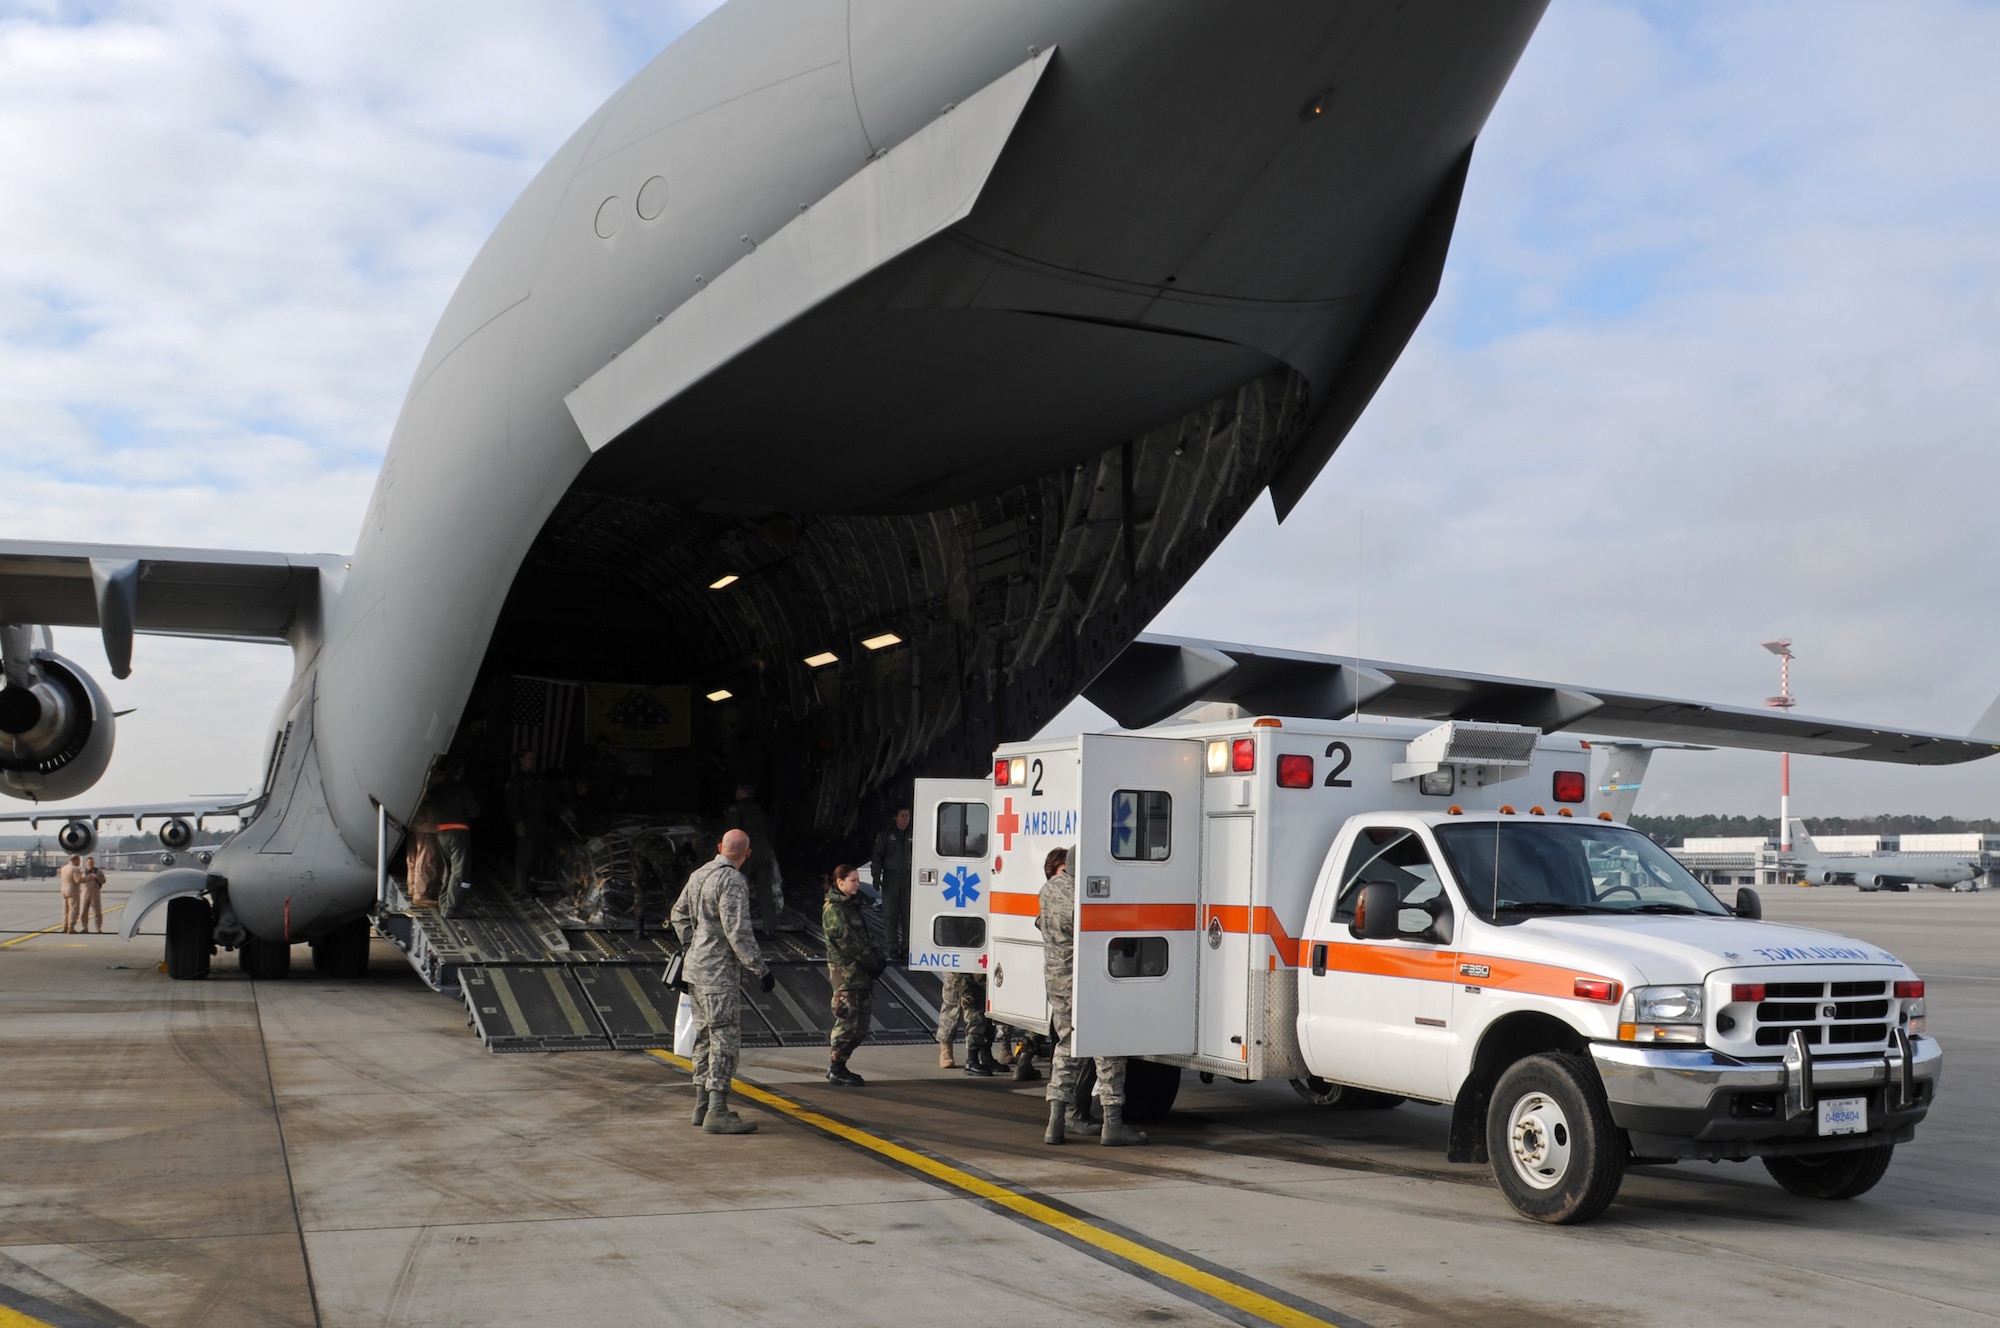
(1802, 843)
(1623, 770)
(1988, 726)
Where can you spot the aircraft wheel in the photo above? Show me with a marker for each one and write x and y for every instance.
(1832, 1175)
(190, 938)
(265, 961)
(343, 952)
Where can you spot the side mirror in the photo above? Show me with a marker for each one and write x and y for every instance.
(1748, 905)
(1377, 913)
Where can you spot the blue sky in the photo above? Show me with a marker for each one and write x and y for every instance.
(1711, 362)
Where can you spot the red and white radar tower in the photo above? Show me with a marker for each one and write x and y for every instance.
(1784, 700)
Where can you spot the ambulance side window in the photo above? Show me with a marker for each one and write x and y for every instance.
(1136, 957)
(958, 931)
(1142, 825)
(961, 830)
(1395, 856)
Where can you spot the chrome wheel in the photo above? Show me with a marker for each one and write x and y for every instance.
(1539, 1139)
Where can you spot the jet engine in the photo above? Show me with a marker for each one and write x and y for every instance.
(176, 834)
(56, 727)
(77, 837)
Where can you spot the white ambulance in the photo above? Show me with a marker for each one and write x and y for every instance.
(1377, 912)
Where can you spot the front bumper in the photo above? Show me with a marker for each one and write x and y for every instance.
(1697, 1103)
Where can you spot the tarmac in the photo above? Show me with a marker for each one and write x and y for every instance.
(313, 1152)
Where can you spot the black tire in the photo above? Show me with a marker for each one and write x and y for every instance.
(342, 953)
(1339, 1097)
(190, 938)
(1150, 1090)
(1556, 1154)
(264, 961)
(1832, 1175)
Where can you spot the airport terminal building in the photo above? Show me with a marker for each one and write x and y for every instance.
(1752, 861)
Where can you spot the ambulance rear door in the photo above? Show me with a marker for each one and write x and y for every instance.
(949, 837)
(1138, 895)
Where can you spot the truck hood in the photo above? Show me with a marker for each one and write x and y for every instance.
(1674, 949)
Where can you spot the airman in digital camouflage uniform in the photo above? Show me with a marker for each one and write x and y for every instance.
(852, 965)
(712, 919)
(1057, 921)
(964, 1002)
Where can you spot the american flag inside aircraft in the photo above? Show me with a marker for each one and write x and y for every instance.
(544, 712)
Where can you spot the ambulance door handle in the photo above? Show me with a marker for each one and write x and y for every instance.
(1319, 959)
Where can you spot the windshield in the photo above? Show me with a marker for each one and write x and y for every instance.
(1557, 868)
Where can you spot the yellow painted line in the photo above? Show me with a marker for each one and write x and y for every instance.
(14, 1318)
(17, 941)
(1163, 1265)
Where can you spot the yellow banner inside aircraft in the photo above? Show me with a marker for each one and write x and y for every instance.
(639, 718)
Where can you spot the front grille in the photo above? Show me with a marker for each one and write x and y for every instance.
(1827, 1013)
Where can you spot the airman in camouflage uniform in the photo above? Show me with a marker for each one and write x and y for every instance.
(964, 1002)
(712, 919)
(1057, 921)
(852, 965)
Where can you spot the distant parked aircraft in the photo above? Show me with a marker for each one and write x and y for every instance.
(1876, 872)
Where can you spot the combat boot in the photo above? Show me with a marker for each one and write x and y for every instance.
(1054, 1134)
(1080, 1123)
(1024, 1066)
(838, 1073)
(721, 1120)
(1117, 1134)
(700, 1104)
(977, 1061)
(945, 1062)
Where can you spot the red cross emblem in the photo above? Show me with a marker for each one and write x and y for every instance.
(982, 961)
(1008, 823)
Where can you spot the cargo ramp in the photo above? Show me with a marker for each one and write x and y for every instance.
(534, 979)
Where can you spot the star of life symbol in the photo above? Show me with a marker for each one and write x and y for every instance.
(959, 887)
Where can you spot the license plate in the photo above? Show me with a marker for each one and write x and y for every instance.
(1843, 1115)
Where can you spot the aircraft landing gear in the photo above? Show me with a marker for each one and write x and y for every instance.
(190, 938)
(343, 952)
(265, 961)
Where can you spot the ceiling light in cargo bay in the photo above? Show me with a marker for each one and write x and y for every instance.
(822, 659)
(882, 642)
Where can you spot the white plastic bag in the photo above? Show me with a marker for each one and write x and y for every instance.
(684, 1027)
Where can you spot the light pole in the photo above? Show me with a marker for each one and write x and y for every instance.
(1782, 648)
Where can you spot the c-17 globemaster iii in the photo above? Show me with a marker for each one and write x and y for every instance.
(878, 368)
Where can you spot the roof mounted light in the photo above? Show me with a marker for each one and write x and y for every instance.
(1267, 723)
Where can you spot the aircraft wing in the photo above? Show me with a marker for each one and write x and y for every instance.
(1158, 676)
(192, 809)
(223, 594)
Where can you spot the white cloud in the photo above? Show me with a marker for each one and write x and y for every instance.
(226, 230)
(1709, 365)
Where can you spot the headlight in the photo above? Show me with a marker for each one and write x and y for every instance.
(1913, 1011)
(1660, 1014)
